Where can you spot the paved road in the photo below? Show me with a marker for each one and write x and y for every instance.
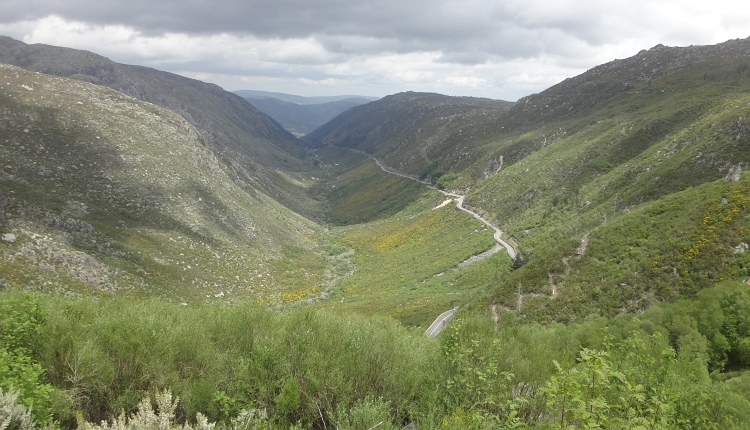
(459, 203)
(440, 322)
(443, 319)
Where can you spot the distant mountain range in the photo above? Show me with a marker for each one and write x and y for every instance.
(300, 100)
(301, 115)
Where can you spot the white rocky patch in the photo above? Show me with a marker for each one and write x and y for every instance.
(442, 204)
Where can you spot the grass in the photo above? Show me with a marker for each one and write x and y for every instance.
(407, 265)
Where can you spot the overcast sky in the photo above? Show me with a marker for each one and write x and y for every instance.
(501, 49)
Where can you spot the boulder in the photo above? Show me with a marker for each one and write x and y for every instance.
(8, 237)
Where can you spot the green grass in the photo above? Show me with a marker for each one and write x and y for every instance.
(660, 251)
(406, 265)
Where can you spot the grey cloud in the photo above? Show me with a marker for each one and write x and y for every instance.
(503, 28)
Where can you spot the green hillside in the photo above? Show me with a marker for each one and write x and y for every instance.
(565, 165)
(105, 194)
(411, 130)
(138, 253)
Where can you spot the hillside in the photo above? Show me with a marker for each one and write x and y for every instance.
(140, 250)
(104, 194)
(557, 169)
(571, 174)
(257, 148)
(411, 130)
(301, 119)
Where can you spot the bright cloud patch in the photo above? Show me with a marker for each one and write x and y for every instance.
(466, 81)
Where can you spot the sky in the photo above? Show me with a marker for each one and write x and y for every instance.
(501, 49)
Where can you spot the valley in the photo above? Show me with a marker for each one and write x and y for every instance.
(159, 232)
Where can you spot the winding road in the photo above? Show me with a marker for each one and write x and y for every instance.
(459, 203)
(443, 319)
(440, 322)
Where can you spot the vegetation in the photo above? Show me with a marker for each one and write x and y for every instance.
(109, 195)
(409, 266)
(362, 192)
(626, 307)
(660, 251)
(305, 367)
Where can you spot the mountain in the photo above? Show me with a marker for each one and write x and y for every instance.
(258, 148)
(411, 130)
(572, 175)
(103, 194)
(622, 190)
(299, 100)
(606, 182)
(300, 119)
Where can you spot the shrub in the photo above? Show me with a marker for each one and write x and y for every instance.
(14, 416)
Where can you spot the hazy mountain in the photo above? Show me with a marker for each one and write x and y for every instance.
(302, 119)
(251, 142)
(300, 100)
(301, 115)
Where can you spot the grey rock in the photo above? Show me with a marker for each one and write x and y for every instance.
(741, 128)
(734, 174)
(8, 237)
(3, 211)
(72, 225)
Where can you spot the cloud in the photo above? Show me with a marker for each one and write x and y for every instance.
(508, 28)
(466, 81)
(503, 49)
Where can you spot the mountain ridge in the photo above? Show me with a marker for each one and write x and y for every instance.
(257, 147)
(407, 130)
(551, 176)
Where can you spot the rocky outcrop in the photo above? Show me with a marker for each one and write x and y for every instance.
(3, 211)
(734, 174)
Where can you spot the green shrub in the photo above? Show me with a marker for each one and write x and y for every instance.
(21, 322)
